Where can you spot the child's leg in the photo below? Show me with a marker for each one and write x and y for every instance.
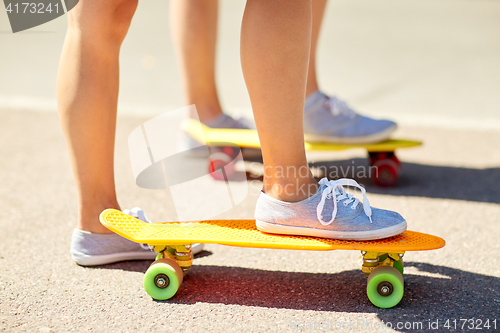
(329, 119)
(87, 93)
(318, 9)
(275, 43)
(194, 31)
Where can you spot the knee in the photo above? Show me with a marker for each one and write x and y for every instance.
(108, 20)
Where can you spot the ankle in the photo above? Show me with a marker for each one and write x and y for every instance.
(290, 189)
(90, 226)
(312, 99)
(207, 112)
(88, 218)
(311, 88)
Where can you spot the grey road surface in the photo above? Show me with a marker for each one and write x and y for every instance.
(425, 63)
(432, 65)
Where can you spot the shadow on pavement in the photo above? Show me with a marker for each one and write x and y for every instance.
(429, 181)
(439, 293)
(203, 254)
(418, 180)
(140, 265)
(432, 295)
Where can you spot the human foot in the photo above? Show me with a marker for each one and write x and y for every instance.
(330, 213)
(187, 143)
(91, 249)
(226, 121)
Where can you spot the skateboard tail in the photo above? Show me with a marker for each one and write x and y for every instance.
(122, 224)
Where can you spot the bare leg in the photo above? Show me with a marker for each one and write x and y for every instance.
(87, 95)
(194, 31)
(318, 9)
(275, 43)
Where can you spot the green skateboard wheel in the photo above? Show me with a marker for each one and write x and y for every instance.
(162, 279)
(385, 287)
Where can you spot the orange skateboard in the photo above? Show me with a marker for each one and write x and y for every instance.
(382, 259)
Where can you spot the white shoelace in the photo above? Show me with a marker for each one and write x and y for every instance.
(338, 107)
(334, 190)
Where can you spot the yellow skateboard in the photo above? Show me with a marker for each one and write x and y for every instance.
(386, 166)
(382, 259)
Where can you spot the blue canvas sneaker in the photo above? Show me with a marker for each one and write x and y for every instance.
(329, 119)
(330, 213)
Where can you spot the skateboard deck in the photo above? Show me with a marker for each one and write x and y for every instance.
(382, 259)
(223, 140)
(243, 233)
(248, 138)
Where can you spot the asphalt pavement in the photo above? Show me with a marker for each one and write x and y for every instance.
(432, 65)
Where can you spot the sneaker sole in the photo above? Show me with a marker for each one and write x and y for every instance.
(86, 260)
(197, 248)
(274, 228)
(374, 138)
(104, 259)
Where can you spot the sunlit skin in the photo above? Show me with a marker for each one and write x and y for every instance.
(194, 32)
(87, 89)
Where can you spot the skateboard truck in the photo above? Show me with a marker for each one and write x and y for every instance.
(181, 254)
(374, 259)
